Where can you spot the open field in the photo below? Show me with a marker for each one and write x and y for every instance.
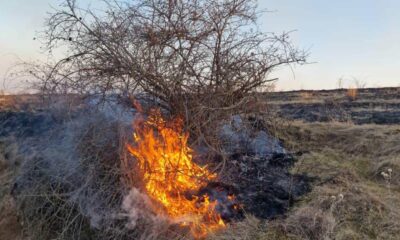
(362, 106)
(348, 146)
(351, 148)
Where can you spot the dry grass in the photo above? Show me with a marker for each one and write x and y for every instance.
(352, 93)
(306, 96)
(69, 185)
(67, 203)
(19, 102)
(250, 228)
(350, 199)
(10, 227)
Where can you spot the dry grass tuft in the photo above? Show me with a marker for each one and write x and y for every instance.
(306, 96)
(310, 223)
(352, 93)
(248, 229)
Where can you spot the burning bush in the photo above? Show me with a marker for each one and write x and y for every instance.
(69, 184)
(200, 59)
(195, 59)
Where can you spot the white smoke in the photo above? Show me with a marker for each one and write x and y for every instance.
(137, 208)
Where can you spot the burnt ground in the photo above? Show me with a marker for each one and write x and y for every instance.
(258, 169)
(346, 144)
(370, 105)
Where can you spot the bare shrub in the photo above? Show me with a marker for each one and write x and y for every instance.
(196, 57)
(201, 59)
(359, 83)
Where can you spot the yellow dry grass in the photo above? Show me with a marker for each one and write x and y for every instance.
(352, 93)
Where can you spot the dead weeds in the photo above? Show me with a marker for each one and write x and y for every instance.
(351, 197)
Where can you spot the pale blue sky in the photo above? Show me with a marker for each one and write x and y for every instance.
(347, 38)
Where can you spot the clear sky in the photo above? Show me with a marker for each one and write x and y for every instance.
(347, 38)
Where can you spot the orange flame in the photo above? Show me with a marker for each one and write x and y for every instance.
(352, 93)
(170, 176)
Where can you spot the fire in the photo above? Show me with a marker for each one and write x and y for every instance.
(170, 176)
(352, 93)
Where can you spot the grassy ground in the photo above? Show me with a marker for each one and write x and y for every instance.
(355, 193)
(351, 198)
